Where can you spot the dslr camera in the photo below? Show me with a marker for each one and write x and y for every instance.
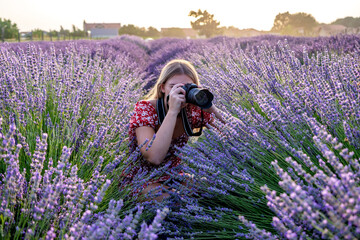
(198, 96)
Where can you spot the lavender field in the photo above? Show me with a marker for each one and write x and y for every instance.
(286, 165)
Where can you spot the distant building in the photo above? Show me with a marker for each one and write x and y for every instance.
(102, 30)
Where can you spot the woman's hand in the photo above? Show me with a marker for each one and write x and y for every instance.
(216, 111)
(176, 98)
(211, 109)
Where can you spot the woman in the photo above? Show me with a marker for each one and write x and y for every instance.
(144, 122)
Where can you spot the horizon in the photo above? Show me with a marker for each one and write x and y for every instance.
(45, 15)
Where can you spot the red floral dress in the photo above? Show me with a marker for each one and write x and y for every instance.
(145, 115)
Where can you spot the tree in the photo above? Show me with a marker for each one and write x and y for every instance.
(282, 20)
(348, 22)
(205, 23)
(77, 33)
(293, 24)
(64, 32)
(152, 33)
(37, 33)
(304, 20)
(173, 32)
(53, 33)
(132, 30)
(10, 29)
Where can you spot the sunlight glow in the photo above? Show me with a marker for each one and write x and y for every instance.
(258, 14)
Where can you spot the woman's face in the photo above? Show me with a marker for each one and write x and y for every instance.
(182, 79)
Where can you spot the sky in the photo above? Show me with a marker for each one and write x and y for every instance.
(257, 14)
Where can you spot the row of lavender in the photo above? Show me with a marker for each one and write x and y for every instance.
(62, 132)
(276, 98)
(293, 134)
(288, 159)
(150, 57)
(80, 96)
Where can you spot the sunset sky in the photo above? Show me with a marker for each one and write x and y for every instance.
(258, 14)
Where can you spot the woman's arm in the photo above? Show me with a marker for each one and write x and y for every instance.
(160, 145)
(216, 111)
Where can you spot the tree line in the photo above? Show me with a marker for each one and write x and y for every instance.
(303, 24)
(284, 24)
(9, 30)
(298, 24)
(205, 25)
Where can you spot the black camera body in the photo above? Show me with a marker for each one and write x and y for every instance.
(198, 96)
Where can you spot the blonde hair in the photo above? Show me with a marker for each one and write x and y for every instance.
(172, 68)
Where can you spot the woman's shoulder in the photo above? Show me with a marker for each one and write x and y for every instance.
(144, 115)
(146, 105)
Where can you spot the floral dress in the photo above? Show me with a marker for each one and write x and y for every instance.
(145, 115)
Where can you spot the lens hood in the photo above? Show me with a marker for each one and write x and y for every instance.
(198, 96)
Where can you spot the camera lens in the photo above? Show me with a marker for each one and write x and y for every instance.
(201, 98)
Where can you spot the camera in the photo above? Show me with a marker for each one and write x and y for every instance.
(198, 96)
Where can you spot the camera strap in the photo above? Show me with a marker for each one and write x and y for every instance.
(160, 109)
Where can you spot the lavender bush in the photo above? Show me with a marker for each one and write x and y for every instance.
(64, 119)
(271, 95)
(284, 166)
(57, 203)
